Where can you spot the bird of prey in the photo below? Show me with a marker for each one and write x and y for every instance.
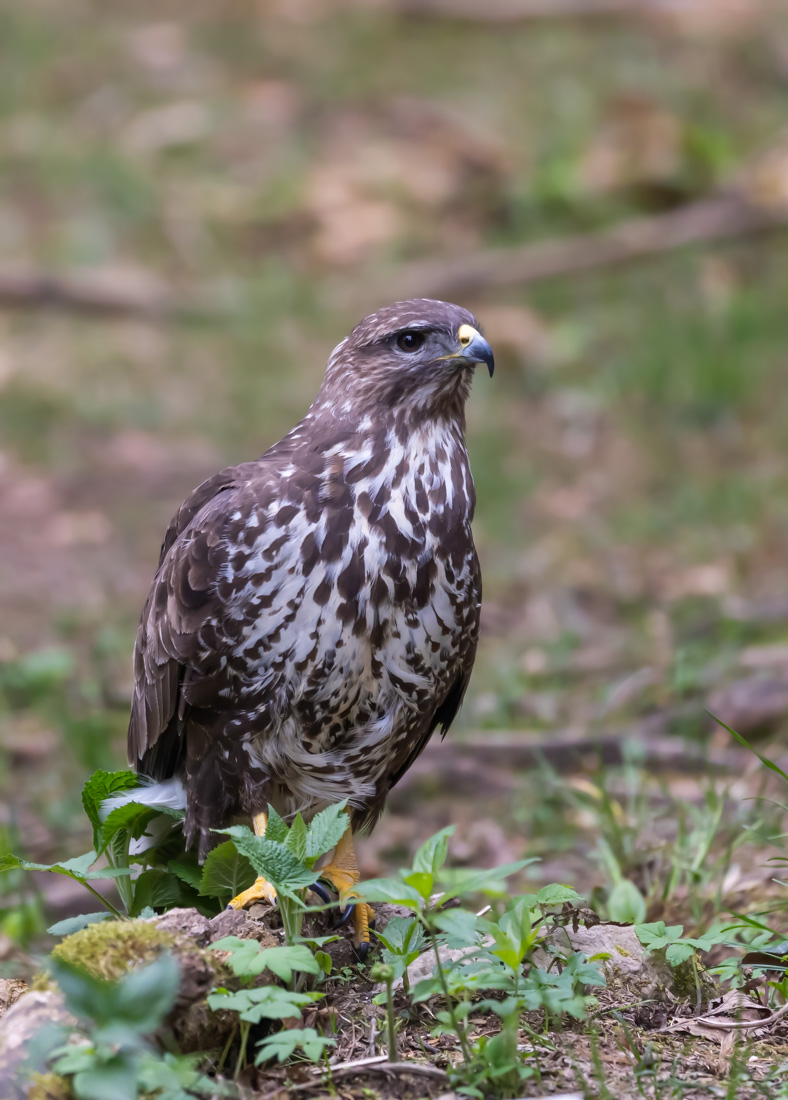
(315, 613)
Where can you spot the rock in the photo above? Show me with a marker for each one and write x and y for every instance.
(185, 922)
(237, 922)
(20, 1056)
(629, 969)
(752, 706)
(11, 989)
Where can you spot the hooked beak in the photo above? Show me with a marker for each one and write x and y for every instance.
(475, 348)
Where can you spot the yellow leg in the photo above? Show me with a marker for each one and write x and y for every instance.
(343, 874)
(261, 889)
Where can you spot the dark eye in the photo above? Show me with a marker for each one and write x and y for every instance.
(410, 341)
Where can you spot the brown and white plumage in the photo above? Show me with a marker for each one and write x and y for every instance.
(315, 614)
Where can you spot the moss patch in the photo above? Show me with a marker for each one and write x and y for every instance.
(110, 949)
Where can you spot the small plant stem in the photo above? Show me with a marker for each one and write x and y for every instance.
(103, 900)
(455, 1023)
(240, 1061)
(226, 1050)
(393, 1054)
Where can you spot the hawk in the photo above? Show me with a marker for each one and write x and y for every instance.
(315, 613)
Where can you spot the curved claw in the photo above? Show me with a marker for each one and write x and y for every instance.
(343, 915)
(321, 892)
(362, 951)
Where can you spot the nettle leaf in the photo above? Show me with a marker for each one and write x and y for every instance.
(190, 873)
(271, 859)
(276, 829)
(133, 818)
(326, 829)
(296, 838)
(247, 959)
(100, 786)
(431, 856)
(557, 894)
(226, 872)
(285, 1043)
(75, 924)
(160, 890)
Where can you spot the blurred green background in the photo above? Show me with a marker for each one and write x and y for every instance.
(259, 175)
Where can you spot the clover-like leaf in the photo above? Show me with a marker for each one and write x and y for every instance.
(285, 1043)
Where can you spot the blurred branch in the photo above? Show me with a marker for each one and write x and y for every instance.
(515, 11)
(708, 220)
(101, 294)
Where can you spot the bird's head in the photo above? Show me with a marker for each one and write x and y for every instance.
(414, 358)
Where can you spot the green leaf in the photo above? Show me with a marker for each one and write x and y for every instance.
(770, 764)
(558, 894)
(160, 890)
(326, 829)
(626, 904)
(190, 873)
(324, 961)
(133, 818)
(459, 925)
(656, 935)
(286, 1043)
(146, 996)
(276, 829)
(75, 868)
(401, 935)
(296, 838)
(392, 890)
(459, 881)
(135, 1005)
(678, 953)
(247, 959)
(421, 881)
(100, 786)
(113, 1078)
(431, 856)
(268, 1002)
(271, 859)
(226, 872)
(75, 924)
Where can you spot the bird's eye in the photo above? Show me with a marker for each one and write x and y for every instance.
(410, 341)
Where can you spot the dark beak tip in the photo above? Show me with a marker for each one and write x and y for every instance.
(491, 366)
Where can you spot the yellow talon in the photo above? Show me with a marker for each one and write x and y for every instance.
(343, 874)
(261, 889)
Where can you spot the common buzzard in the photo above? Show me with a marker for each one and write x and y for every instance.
(314, 616)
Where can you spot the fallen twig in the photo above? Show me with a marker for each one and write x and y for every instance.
(518, 11)
(92, 293)
(707, 220)
(736, 1025)
(379, 1064)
